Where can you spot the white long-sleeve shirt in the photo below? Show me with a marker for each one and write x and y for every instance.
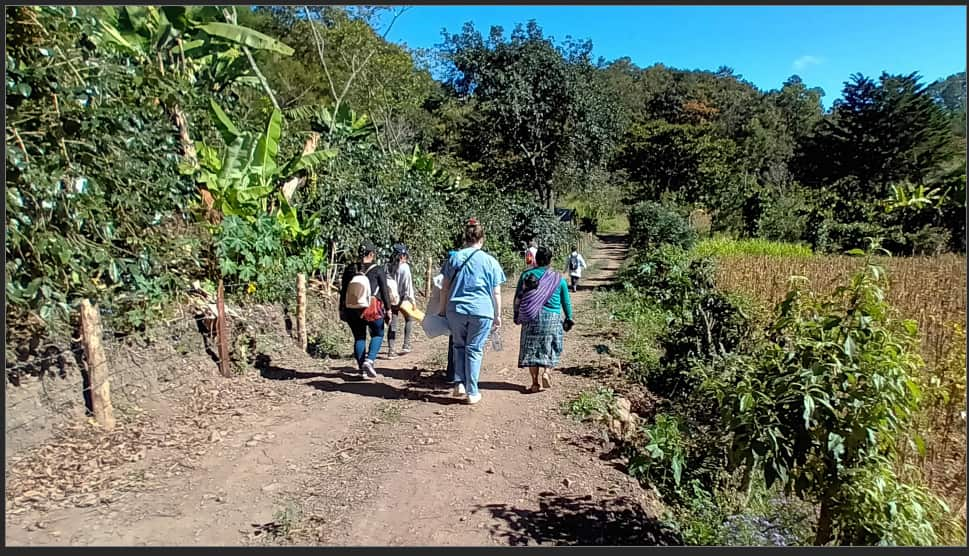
(577, 271)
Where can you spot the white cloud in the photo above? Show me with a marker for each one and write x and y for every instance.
(806, 61)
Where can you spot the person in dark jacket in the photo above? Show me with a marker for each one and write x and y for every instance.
(366, 358)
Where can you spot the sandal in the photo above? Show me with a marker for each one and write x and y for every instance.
(546, 380)
(534, 389)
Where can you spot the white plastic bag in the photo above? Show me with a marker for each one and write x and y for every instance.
(435, 325)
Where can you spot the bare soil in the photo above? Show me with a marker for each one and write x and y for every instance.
(304, 452)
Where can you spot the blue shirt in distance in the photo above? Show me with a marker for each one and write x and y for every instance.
(472, 288)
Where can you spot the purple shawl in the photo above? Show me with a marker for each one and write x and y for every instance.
(532, 301)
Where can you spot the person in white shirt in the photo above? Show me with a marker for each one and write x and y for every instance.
(576, 263)
(530, 254)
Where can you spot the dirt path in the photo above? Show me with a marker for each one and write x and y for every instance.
(330, 459)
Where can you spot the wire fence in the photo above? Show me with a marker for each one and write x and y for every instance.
(154, 359)
(165, 356)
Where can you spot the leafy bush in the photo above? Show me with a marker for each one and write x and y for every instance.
(643, 323)
(668, 276)
(875, 508)
(652, 224)
(591, 404)
(96, 207)
(834, 389)
(714, 328)
(659, 458)
(728, 517)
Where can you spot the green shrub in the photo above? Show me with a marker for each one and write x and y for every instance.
(668, 276)
(643, 323)
(651, 225)
(729, 517)
(660, 458)
(833, 390)
(591, 404)
(874, 508)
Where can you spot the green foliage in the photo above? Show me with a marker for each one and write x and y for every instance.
(95, 205)
(539, 115)
(875, 508)
(835, 388)
(591, 404)
(254, 252)
(643, 323)
(243, 178)
(729, 247)
(668, 276)
(691, 160)
(727, 517)
(660, 459)
(652, 224)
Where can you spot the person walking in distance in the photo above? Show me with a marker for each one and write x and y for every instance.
(541, 297)
(399, 276)
(365, 305)
(576, 264)
(472, 288)
(530, 254)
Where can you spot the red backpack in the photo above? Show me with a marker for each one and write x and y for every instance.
(529, 257)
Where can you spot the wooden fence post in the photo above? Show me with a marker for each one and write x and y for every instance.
(223, 332)
(97, 365)
(301, 310)
(427, 284)
(331, 270)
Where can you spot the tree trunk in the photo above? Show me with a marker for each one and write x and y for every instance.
(823, 534)
(191, 157)
(188, 147)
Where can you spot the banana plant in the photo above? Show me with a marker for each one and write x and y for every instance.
(186, 38)
(243, 178)
(908, 196)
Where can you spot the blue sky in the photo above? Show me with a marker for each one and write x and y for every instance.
(764, 44)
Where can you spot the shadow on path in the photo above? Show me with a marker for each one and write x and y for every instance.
(580, 521)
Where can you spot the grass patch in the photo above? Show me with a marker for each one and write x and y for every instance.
(590, 404)
(729, 247)
(286, 519)
(641, 324)
(389, 412)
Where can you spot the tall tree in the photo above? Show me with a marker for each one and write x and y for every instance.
(878, 134)
(540, 114)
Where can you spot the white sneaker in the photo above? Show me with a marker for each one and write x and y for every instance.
(474, 398)
(459, 389)
(368, 370)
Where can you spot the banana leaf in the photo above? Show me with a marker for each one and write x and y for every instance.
(246, 36)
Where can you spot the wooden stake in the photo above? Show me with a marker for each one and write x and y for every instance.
(223, 332)
(427, 284)
(97, 365)
(331, 270)
(301, 310)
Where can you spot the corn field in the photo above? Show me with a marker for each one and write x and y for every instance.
(930, 290)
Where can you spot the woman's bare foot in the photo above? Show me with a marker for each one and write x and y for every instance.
(546, 380)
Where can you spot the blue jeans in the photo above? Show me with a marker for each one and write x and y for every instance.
(359, 328)
(470, 335)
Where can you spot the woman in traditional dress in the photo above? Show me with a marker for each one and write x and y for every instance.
(541, 298)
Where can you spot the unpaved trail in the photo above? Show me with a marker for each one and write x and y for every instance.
(338, 461)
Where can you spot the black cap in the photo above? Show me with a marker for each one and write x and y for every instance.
(400, 249)
(366, 248)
